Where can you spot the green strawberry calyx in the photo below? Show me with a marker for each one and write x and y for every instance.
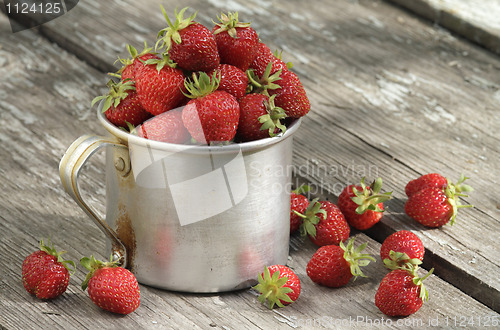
(310, 218)
(264, 83)
(302, 189)
(355, 258)
(272, 119)
(397, 259)
(368, 197)
(419, 281)
(50, 249)
(229, 23)
(273, 289)
(117, 91)
(201, 84)
(171, 32)
(453, 192)
(92, 264)
(134, 55)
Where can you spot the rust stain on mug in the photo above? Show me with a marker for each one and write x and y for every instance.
(126, 233)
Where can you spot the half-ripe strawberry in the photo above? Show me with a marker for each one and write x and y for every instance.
(279, 285)
(434, 207)
(232, 80)
(426, 180)
(335, 265)
(122, 104)
(362, 205)
(45, 273)
(236, 41)
(401, 247)
(110, 287)
(160, 85)
(189, 44)
(166, 127)
(324, 223)
(265, 56)
(211, 115)
(291, 95)
(298, 206)
(401, 292)
(259, 118)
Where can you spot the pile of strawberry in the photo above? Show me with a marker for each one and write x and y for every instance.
(432, 201)
(205, 86)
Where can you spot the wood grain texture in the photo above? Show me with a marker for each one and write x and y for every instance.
(391, 97)
(475, 20)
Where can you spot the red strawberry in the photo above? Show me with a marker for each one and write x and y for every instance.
(263, 57)
(259, 117)
(110, 287)
(434, 207)
(400, 247)
(401, 292)
(129, 66)
(211, 115)
(279, 285)
(166, 127)
(324, 223)
(232, 80)
(189, 44)
(237, 42)
(159, 85)
(299, 204)
(361, 205)
(45, 273)
(335, 265)
(122, 104)
(291, 95)
(426, 180)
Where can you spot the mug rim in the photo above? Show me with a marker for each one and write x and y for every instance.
(233, 147)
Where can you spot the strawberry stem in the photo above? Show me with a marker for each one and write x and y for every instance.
(355, 258)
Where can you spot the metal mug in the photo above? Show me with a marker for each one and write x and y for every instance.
(187, 217)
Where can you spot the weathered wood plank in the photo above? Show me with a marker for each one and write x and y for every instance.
(36, 128)
(472, 19)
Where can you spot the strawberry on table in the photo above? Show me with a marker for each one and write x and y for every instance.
(237, 42)
(279, 285)
(45, 273)
(259, 118)
(160, 85)
(362, 205)
(211, 115)
(401, 292)
(190, 44)
(335, 265)
(434, 206)
(232, 80)
(299, 204)
(166, 127)
(122, 104)
(111, 287)
(401, 247)
(424, 181)
(324, 223)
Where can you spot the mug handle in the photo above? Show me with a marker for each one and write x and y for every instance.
(69, 169)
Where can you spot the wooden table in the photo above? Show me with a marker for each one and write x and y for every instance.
(392, 96)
